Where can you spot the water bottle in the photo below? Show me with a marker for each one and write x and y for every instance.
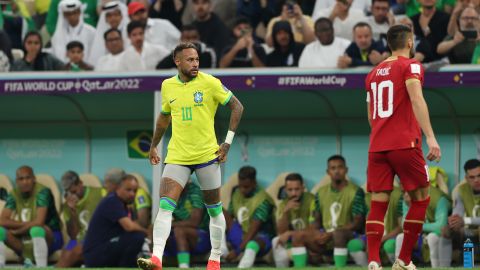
(468, 252)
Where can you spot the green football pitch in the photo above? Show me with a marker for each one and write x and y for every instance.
(234, 268)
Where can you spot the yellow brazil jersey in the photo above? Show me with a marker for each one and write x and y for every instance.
(192, 106)
(142, 199)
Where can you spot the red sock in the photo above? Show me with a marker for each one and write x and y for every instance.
(412, 227)
(374, 229)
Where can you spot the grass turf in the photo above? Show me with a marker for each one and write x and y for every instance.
(230, 268)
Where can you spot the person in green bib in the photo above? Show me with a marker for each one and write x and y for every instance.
(30, 220)
(436, 218)
(80, 203)
(295, 213)
(393, 221)
(189, 233)
(340, 215)
(250, 226)
(465, 219)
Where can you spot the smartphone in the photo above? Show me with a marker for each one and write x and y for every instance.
(469, 34)
(244, 32)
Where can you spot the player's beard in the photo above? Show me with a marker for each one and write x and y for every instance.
(188, 73)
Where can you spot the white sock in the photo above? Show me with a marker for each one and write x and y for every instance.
(40, 251)
(224, 246)
(183, 265)
(360, 258)
(280, 254)
(217, 235)
(445, 252)
(398, 244)
(161, 231)
(248, 258)
(433, 240)
(2, 254)
(146, 247)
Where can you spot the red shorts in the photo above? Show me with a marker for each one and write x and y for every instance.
(407, 164)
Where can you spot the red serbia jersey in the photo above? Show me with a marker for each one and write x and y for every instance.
(394, 125)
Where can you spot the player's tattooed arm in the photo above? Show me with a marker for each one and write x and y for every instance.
(161, 126)
(237, 111)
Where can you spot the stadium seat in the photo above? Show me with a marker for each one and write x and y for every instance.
(438, 178)
(90, 180)
(275, 187)
(6, 184)
(141, 182)
(324, 181)
(226, 189)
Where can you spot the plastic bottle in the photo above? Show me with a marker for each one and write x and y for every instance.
(468, 260)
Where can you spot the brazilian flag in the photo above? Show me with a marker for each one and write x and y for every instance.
(138, 142)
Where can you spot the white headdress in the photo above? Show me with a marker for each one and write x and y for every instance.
(102, 26)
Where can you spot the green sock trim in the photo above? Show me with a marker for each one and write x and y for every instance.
(183, 257)
(167, 204)
(389, 246)
(214, 210)
(299, 261)
(299, 257)
(253, 246)
(340, 260)
(355, 245)
(3, 234)
(37, 231)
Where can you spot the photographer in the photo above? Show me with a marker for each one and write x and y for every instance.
(243, 51)
(460, 47)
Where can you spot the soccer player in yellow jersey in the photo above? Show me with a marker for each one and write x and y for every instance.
(190, 100)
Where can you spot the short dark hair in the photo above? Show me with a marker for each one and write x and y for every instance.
(75, 44)
(397, 36)
(241, 20)
(208, 1)
(128, 177)
(362, 24)
(134, 25)
(471, 164)
(110, 31)
(183, 46)
(386, 1)
(324, 20)
(294, 177)
(189, 27)
(336, 157)
(247, 172)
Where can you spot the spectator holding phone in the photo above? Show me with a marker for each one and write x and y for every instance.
(460, 47)
(243, 51)
(302, 25)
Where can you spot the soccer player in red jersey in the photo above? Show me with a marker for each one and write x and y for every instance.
(397, 113)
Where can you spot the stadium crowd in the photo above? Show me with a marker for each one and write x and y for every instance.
(284, 224)
(136, 35)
